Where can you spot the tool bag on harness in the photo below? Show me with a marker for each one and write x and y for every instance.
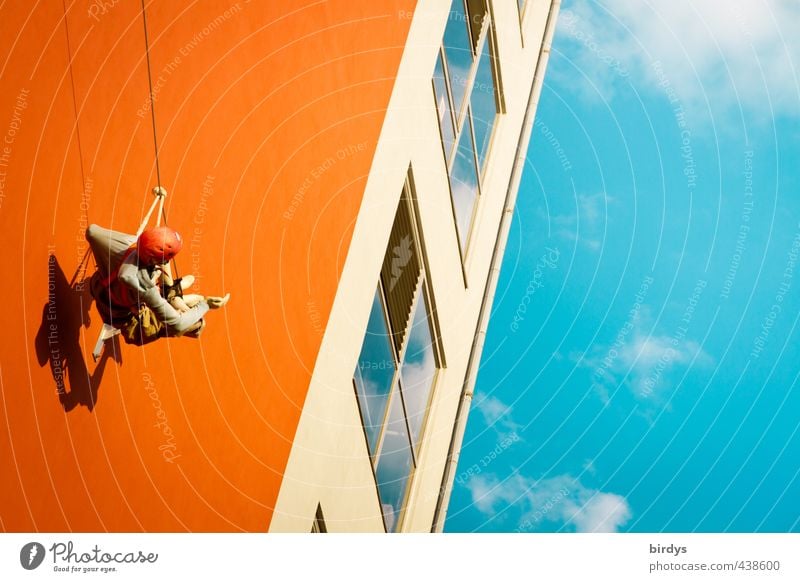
(137, 322)
(142, 327)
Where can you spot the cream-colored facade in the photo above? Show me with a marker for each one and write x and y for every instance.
(330, 468)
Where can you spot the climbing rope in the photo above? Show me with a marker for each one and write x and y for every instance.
(80, 274)
(163, 213)
(152, 96)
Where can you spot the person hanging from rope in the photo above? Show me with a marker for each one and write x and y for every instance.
(133, 287)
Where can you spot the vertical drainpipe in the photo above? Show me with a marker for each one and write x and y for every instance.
(494, 272)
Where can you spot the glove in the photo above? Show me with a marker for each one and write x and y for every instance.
(166, 280)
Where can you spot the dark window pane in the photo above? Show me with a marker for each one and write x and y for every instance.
(394, 463)
(458, 53)
(443, 108)
(477, 14)
(417, 371)
(374, 373)
(483, 105)
(464, 185)
(400, 273)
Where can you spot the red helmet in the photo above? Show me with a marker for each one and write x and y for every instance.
(158, 245)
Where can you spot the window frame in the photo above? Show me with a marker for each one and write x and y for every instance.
(386, 321)
(423, 296)
(522, 10)
(449, 96)
(499, 102)
(396, 376)
(466, 107)
(465, 251)
(463, 119)
(318, 525)
(420, 296)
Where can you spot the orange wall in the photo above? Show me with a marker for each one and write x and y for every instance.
(267, 116)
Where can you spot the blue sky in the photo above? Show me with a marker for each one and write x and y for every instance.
(641, 368)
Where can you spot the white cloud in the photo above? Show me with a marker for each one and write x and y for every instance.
(485, 493)
(592, 208)
(651, 358)
(492, 409)
(587, 223)
(729, 54)
(644, 361)
(603, 512)
(561, 500)
(497, 414)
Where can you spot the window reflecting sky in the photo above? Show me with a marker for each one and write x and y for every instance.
(458, 52)
(374, 372)
(443, 108)
(394, 463)
(482, 104)
(464, 185)
(417, 371)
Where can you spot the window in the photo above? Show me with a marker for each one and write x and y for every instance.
(418, 371)
(464, 187)
(397, 366)
(465, 82)
(319, 522)
(458, 53)
(375, 372)
(483, 104)
(443, 107)
(521, 14)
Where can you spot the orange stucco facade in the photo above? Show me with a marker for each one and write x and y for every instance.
(267, 116)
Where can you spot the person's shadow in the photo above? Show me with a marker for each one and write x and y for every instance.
(58, 341)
